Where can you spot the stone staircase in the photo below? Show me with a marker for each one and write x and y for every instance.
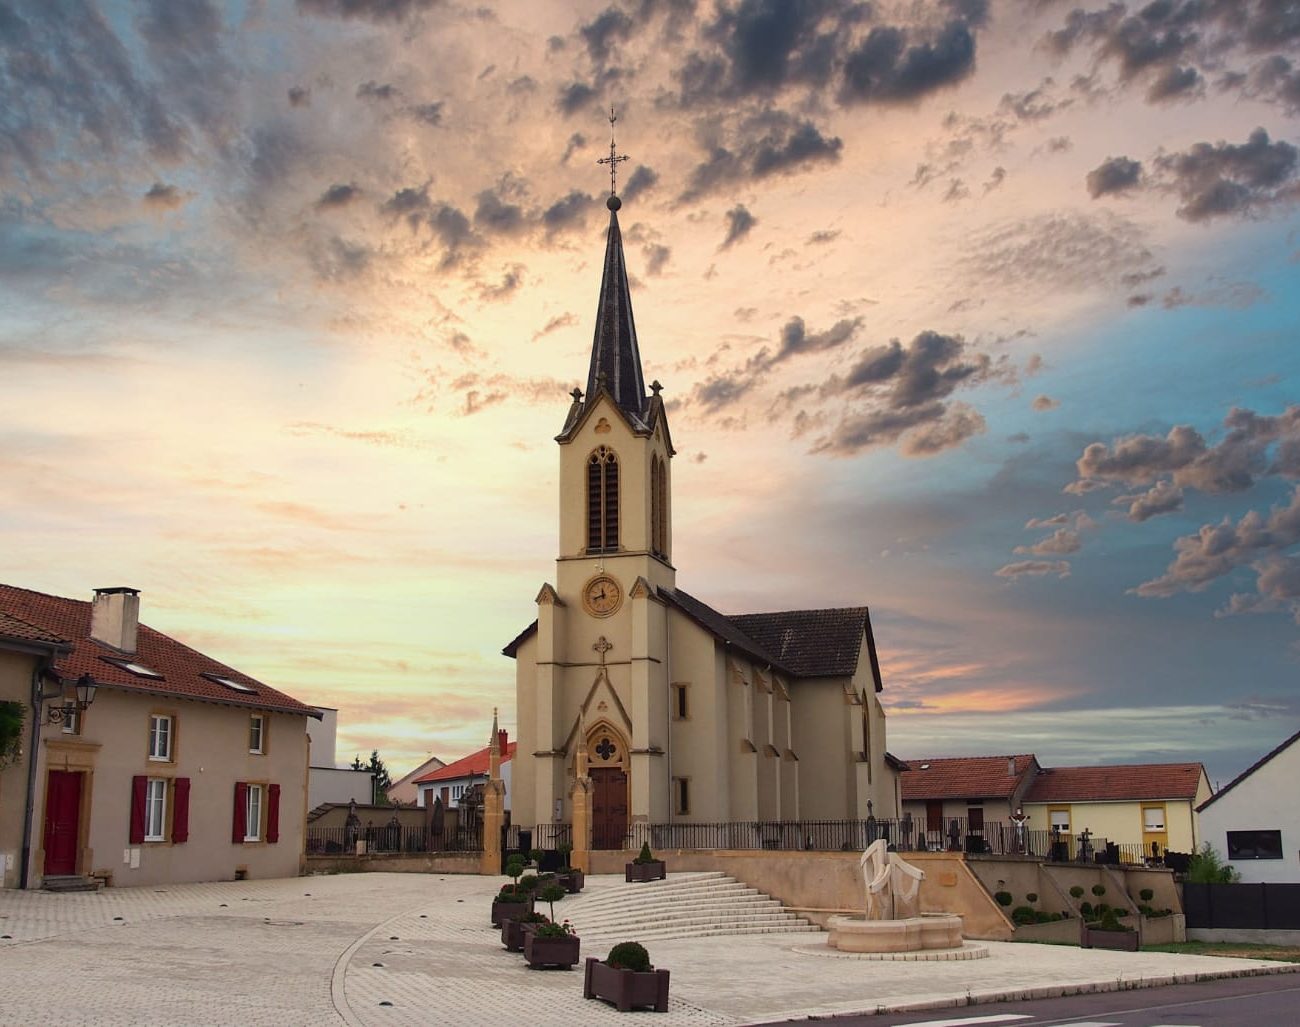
(71, 882)
(690, 905)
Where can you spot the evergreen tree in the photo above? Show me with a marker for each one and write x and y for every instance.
(379, 772)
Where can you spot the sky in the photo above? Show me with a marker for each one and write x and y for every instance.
(981, 313)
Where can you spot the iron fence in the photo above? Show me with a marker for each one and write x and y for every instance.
(394, 838)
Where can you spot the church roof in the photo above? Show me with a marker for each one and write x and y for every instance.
(615, 358)
(800, 643)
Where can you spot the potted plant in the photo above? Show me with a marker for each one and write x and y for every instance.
(570, 877)
(645, 867)
(513, 931)
(1108, 933)
(551, 944)
(626, 978)
(513, 900)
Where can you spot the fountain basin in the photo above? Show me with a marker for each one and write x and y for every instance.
(909, 934)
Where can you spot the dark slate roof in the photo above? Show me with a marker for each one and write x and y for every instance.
(800, 643)
(614, 352)
(181, 669)
(1248, 771)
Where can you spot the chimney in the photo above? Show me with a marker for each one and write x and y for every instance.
(1011, 766)
(115, 616)
(502, 738)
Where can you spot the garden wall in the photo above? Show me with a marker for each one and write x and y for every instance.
(396, 863)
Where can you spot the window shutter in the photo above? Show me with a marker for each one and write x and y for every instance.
(138, 785)
(240, 828)
(181, 810)
(272, 813)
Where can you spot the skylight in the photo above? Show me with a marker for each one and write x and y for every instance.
(233, 685)
(138, 669)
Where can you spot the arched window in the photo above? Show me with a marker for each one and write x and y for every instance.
(658, 507)
(602, 501)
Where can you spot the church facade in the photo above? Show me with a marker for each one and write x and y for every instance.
(679, 713)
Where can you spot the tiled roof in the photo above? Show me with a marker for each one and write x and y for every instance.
(1116, 783)
(800, 643)
(473, 765)
(810, 643)
(1248, 771)
(14, 628)
(181, 667)
(965, 777)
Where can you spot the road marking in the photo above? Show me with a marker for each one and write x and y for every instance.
(966, 1021)
(1095, 1023)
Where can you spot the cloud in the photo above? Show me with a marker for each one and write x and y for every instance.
(511, 279)
(1042, 403)
(338, 195)
(1175, 83)
(1056, 250)
(163, 197)
(555, 324)
(374, 91)
(1162, 498)
(378, 11)
(299, 96)
(656, 258)
(1034, 568)
(796, 339)
(429, 113)
(740, 222)
(568, 212)
(1113, 175)
(1058, 543)
(642, 180)
(822, 237)
(893, 65)
(574, 97)
(1224, 179)
(770, 142)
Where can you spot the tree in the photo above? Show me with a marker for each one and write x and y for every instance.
(381, 779)
(1207, 867)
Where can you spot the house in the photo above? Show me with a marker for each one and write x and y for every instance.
(146, 762)
(686, 714)
(452, 781)
(1254, 820)
(1151, 804)
(327, 782)
(404, 791)
(972, 790)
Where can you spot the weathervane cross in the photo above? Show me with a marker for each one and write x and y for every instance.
(615, 158)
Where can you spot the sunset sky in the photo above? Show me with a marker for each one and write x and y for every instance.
(981, 313)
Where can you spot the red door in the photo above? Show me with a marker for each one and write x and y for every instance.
(934, 817)
(608, 808)
(62, 811)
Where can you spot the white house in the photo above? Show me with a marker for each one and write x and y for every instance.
(1254, 820)
(451, 782)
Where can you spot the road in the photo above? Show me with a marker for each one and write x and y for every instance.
(1272, 1001)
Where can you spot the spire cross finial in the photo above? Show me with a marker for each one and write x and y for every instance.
(615, 158)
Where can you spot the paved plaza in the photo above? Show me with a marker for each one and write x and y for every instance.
(380, 949)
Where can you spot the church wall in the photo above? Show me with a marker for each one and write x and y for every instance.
(699, 748)
(741, 743)
(525, 772)
(821, 732)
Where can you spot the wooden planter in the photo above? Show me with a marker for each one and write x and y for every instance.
(551, 952)
(512, 934)
(573, 880)
(1119, 941)
(627, 989)
(502, 911)
(655, 870)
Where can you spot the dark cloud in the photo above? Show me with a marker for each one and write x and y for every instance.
(1224, 179)
(797, 340)
(299, 96)
(823, 236)
(928, 369)
(766, 143)
(996, 177)
(429, 113)
(494, 215)
(740, 222)
(656, 258)
(340, 260)
(575, 97)
(555, 324)
(1032, 105)
(378, 92)
(339, 195)
(511, 279)
(643, 179)
(378, 11)
(452, 229)
(1175, 83)
(568, 212)
(891, 65)
(576, 142)
(411, 203)
(1113, 175)
(163, 197)
(600, 33)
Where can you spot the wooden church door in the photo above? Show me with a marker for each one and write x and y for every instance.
(608, 807)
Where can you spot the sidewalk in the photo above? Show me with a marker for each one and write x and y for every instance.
(335, 950)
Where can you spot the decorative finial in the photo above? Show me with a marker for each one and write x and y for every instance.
(577, 395)
(655, 387)
(613, 160)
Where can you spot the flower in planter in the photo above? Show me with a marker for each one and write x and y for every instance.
(550, 929)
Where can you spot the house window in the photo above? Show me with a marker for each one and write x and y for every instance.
(253, 814)
(681, 703)
(160, 737)
(681, 795)
(1153, 818)
(72, 721)
(155, 810)
(602, 501)
(1061, 820)
(1254, 845)
(256, 730)
(975, 819)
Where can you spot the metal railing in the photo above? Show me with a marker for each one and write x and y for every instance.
(393, 838)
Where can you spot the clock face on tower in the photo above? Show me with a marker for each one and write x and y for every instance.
(602, 595)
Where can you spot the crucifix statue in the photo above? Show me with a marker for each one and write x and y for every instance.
(602, 645)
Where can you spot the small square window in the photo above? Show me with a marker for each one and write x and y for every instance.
(256, 733)
(160, 737)
(253, 814)
(155, 810)
(72, 721)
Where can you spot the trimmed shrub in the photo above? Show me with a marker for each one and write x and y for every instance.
(1146, 895)
(629, 955)
(644, 855)
(1099, 890)
(1032, 897)
(1004, 898)
(1023, 915)
(1076, 892)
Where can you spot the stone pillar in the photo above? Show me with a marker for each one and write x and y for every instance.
(494, 806)
(580, 801)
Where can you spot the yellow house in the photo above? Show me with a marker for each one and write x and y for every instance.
(689, 715)
(1152, 805)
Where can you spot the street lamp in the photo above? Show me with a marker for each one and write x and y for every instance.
(67, 712)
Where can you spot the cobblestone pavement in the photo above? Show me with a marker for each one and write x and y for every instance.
(397, 949)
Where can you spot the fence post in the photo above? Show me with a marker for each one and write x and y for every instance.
(494, 803)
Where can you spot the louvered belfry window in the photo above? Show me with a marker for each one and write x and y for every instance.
(658, 507)
(602, 501)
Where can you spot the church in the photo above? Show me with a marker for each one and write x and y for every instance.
(678, 713)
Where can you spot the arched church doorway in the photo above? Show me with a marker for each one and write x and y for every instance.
(609, 793)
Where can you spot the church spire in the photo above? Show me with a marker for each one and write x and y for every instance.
(615, 358)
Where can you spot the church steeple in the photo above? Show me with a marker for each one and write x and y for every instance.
(615, 358)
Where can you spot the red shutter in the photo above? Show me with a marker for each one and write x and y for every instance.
(138, 785)
(241, 812)
(181, 811)
(272, 813)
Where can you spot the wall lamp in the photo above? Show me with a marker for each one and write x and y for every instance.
(71, 707)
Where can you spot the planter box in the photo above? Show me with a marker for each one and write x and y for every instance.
(502, 911)
(573, 880)
(627, 989)
(1120, 941)
(512, 934)
(655, 870)
(550, 952)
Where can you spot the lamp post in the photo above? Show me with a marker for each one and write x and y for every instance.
(67, 712)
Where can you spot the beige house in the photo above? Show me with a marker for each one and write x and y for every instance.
(973, 791)
(179, 768)
(688, 715)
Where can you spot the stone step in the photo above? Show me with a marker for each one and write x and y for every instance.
(676, 900)
(70, 883)
(600, 938)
